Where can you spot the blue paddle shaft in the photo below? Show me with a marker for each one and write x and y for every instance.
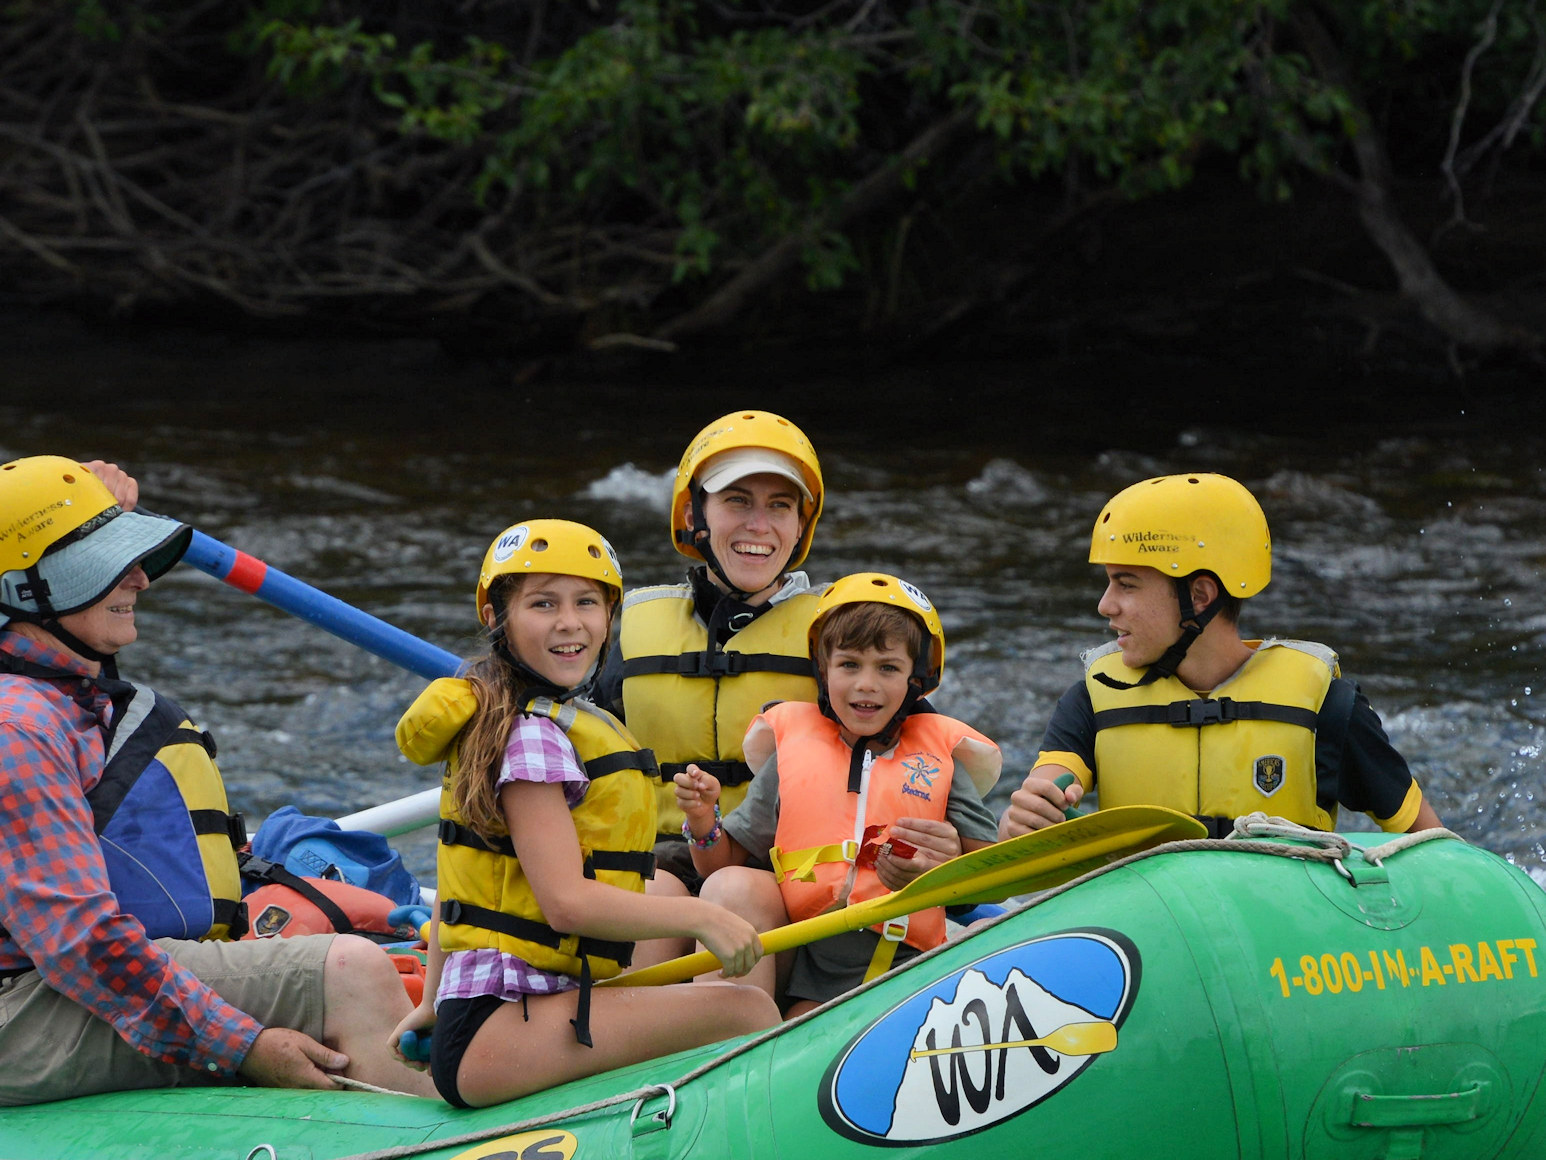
(253, 576)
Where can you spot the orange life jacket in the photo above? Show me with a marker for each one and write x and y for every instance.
(822, 827)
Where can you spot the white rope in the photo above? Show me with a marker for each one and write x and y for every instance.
(1377, 854)
(359, 1085)
(1261, 825)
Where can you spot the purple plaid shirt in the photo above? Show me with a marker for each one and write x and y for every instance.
(57, 909)
(538, 751)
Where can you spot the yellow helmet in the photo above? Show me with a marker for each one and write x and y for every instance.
(65, 543)
(1182, 524)
(746, 443)
(879, 588)
(559, 547)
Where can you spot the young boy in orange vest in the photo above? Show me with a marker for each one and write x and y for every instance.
(853, 797)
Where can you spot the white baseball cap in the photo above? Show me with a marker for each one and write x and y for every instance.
(721, 470)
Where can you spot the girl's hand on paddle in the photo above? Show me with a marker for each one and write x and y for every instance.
(730, 938)
(936, 842)
(280, 1057)
(419, 1021)
(696, 793)
(1038, 803)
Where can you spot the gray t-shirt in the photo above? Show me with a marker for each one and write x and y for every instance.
(754, 822)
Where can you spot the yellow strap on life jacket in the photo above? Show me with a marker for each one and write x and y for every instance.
(892, 932)
(800, 865)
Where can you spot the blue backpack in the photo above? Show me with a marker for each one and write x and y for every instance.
(317, 848)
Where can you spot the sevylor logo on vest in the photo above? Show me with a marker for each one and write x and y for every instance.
(985, 1043)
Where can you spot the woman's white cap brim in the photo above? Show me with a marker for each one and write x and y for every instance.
(721, 470)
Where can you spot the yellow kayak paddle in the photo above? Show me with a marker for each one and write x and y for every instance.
(1039, 860)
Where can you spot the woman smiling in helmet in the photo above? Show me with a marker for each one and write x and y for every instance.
(699, 660)
(1180, 711)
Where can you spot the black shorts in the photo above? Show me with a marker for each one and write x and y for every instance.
(834, 966)
(456, 1022)
(674, 857)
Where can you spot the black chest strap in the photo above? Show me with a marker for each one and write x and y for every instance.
(727, 773)
(1200, 711)
(713, 663)
(640, 862)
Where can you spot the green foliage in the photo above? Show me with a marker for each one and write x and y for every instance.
(717, 130)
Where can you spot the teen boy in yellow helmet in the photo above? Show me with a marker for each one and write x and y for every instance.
(1180, 711)
(699, 660)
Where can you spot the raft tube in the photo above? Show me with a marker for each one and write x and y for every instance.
(1345, 998)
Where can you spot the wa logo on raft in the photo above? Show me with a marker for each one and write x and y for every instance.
(985, 1043)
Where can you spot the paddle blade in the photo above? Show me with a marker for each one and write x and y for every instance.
(1046, 858)
(1095, 1038)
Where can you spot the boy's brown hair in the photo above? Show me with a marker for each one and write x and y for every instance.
(866, 625)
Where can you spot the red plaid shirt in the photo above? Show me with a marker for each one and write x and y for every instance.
(57, 910)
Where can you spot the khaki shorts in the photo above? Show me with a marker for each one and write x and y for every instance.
(52, 1048)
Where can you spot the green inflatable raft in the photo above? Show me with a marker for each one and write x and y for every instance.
(1281, 997)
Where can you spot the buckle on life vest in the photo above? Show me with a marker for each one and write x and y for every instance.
(1200, 713)
(800, 865)
(712, 664)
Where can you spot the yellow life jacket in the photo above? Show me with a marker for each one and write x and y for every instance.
(1249, 745)
(167, 834)
(823, 827)
(691, 703)
(484, 896)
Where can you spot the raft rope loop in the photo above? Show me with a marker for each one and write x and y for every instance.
(663, 1118)
(1323, 847)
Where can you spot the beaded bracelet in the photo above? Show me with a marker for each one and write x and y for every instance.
(709, 839)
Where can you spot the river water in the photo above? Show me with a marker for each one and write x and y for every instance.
(1413, 543)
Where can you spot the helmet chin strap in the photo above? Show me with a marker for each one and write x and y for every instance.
(47, 618)
(1192, 624)
(698, 537)
(108, 661)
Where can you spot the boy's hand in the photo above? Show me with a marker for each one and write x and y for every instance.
(1038, 803)
(935, 843)
(696, 793)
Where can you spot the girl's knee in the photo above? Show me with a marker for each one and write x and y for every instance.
(757, 1010)
(666, 885)
(738, 1008)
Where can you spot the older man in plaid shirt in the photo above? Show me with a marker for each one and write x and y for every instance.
(88, 1001)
